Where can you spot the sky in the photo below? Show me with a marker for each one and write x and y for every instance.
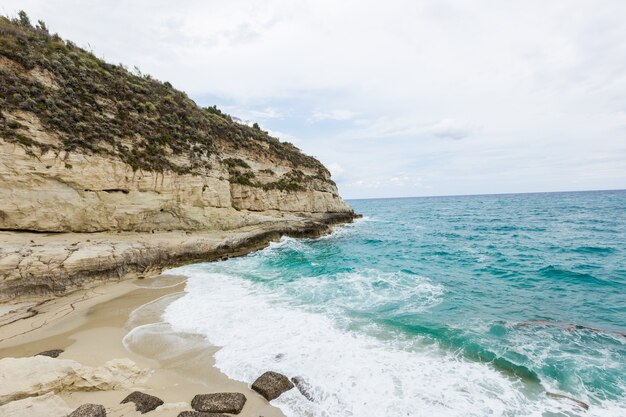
(397, 98)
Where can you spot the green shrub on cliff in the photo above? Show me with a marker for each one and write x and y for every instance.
(236, 162)
(97, 107)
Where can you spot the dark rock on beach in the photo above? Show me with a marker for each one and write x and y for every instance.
(54, 353)
(223, 402)
(303, 387)
(199, 414)
(89, 410)
(143, 402)
(271, 385)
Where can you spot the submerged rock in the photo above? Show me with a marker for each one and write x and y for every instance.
(89, 410)
(303, 387)
(271, 385)
(579, 403)
(223, 402)
(143, 402)
(54, 353)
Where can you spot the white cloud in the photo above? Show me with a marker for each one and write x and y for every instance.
(336, 171)
(451, 129)
(339, 115)
(253, 114)
(390, 127)
(392, 184)
(283, 136)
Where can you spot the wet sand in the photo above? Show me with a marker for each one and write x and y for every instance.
(122, 320)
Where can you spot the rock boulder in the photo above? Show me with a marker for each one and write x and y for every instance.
(89, 410)
(143, 402)
(271, 385)
(303, 387)
(54, 353)
(223, 402)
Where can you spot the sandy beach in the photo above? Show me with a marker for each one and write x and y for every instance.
(91, 326)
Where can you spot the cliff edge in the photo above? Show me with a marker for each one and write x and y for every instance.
(89, 147)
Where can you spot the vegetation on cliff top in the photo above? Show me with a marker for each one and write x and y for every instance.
(240, 173)
(97, 107)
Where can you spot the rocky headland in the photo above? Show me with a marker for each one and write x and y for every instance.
(108, 175)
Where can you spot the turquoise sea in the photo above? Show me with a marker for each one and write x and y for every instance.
(442, 306)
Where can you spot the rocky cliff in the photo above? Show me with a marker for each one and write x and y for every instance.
(86, 146)
(39, 192)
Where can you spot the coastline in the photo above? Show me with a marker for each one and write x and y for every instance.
(90, 326)
(90, 318)
(38, 266)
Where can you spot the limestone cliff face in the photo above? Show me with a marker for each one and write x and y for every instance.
(86, 146)
(74, 192)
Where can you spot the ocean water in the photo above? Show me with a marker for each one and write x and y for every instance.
(447, 306)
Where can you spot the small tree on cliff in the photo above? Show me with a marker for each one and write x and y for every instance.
(41, 26)
(23, 19)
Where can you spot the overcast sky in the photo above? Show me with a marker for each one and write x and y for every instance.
(397, 98)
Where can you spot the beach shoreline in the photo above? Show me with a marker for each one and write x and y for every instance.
(90, 326)
(91, 320)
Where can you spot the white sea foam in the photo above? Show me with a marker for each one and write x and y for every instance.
(351, 373)
(352, 369)
(347, 228)
(151, 312)
(370, 290)
(296, 244)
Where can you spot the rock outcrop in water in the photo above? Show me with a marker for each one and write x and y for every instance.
(579, 403)
(271, 385)
(86, 147)
(304, 387)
